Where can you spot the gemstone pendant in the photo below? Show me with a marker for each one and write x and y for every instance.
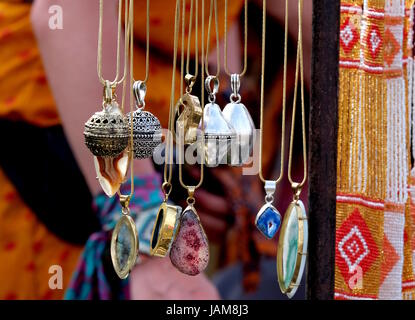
(124, 246)
(190, 250)
(268, 220)
(239, 118)
(292, 248)
(111, 172)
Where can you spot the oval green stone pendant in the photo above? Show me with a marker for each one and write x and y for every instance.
(292, 248)
(124, 246)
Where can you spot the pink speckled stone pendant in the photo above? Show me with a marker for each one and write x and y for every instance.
(190, 250)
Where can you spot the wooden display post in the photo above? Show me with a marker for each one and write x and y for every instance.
(323, 149)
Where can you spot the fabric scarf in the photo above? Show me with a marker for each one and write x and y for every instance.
(94, 277)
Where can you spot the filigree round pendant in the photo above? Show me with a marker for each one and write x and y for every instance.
(124, 246)
(106, 132)
(190, 250)
(146, 133)
(292, 248)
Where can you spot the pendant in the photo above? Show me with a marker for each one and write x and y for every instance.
(165, 229)
(189, 118)
(106, 132)
(146, 126)
(190, 250)
(268, 219)
(111, 172)
(124, 245)
(292, 248)
(237, 115)
(218, 133)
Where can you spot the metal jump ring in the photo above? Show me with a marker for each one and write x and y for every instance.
(140, 90)
(269, 198)
(235, 98)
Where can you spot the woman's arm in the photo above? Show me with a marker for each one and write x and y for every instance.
(70, 59)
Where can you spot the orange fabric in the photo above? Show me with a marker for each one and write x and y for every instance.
(28, 249)
(24, 92)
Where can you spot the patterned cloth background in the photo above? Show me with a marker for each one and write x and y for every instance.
(375, 215)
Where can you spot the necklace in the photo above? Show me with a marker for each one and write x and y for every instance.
(106, 132)
(235, 112)
(188, 107)
(146, 126)
(190, 249)
(124, 241)
(292, 244)
(168, 216)
(268, 219)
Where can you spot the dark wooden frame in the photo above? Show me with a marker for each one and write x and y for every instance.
(323, 149)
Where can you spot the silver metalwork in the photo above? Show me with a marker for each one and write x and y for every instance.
(239, 118)
(146, 127)
(218, 133)
(106, 132)
(270, 187)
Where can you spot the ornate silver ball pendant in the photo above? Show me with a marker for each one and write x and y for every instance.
(106, 132)
(146, 133)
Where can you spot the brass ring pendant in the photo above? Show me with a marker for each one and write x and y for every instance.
(292, 248)
(165, 229)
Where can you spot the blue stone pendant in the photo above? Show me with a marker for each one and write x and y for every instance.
(268, 220)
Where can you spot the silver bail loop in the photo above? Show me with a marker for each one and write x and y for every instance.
(235, 86)
(108, 92)
(212, 91)
(235, 83)
(270, 187)
(140, 90)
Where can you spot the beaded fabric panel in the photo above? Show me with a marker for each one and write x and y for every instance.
(373, 228)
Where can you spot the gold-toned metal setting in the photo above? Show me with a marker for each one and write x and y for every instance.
(165, 229)
(301, 255)
(189, 118)
(123, 272)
